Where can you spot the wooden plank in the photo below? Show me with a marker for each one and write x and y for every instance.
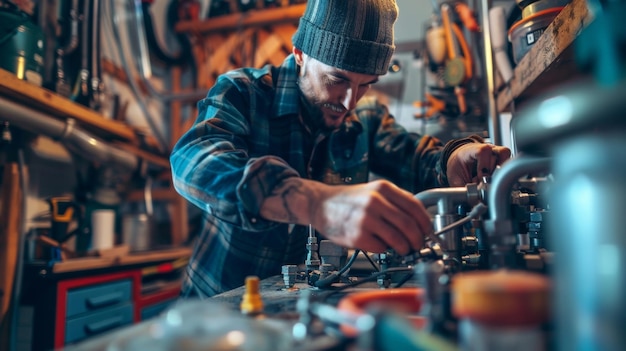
(60, 107)
(285, 32)
(167, 194)
(175, 108)
(252, 18)
(270, 47)
(119, 74)
(10, 219)
(545, 54)
(158, 160)
(177, 210)
(86, 263)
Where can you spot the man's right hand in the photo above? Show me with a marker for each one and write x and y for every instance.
(373, 216)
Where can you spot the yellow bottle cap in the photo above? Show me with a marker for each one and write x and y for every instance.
(251, 302)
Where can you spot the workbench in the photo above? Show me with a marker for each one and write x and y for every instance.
(67, 302)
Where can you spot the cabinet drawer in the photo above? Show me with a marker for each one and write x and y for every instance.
(96, 297)
(98, 322)
(156, 309)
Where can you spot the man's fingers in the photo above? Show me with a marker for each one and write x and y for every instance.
(374, 244)
(503, 153)
(402, 219)
(488, 158)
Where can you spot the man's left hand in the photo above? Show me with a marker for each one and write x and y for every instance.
(471, 162)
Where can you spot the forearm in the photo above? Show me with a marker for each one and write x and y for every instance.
(295, 200)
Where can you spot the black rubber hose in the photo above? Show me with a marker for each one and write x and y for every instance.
(184, 56)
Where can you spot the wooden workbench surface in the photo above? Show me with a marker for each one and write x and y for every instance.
(86, 263)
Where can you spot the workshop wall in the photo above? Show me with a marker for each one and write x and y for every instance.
(142, 101)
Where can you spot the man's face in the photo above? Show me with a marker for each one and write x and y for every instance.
(330, 93)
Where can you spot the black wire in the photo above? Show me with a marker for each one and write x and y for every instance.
(349, 263)
(323, 283)
(371, 278)
(371, 261)
(405, 279)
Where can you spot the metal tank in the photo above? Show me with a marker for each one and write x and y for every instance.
(21, 45)
(584, 130)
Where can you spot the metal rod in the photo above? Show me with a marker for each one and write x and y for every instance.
(494, 122)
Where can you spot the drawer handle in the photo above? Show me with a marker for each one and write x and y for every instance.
(104, 325)
(105, 300)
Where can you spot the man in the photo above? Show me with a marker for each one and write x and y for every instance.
(276, 149)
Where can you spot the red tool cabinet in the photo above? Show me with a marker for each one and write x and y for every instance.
(69, 302)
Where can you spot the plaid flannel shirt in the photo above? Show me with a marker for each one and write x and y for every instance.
(249, 136)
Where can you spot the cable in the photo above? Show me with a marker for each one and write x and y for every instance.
(371, 278)
(404, 279)
(322, 283)
(376, 268)
(150, 119)
(349, 263)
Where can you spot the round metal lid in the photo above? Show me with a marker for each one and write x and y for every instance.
(566, 113)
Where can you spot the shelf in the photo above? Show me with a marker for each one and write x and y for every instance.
(252, 18)
(551, 60)
(61, 108)
(86, 263)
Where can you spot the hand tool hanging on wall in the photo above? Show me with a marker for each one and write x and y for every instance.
(449, 54)
(62, 211)
(458, 68)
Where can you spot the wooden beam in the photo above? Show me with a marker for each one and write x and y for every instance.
(10, 218)
(252, 18)
(148, 156)
(60, 107)
(159, 194)
(86, 263)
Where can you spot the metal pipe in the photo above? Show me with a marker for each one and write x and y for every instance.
(72, 43)
(447, 198)
(499, 227)
(503, 179)
(71, 136)
(97, 95)
(494, 122)
(150, 118)
(85, 52)
(62, 86)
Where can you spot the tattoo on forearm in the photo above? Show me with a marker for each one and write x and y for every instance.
(287, 203)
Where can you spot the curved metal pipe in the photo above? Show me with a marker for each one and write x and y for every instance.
(444, 198)
(503, 179)
(74, 138)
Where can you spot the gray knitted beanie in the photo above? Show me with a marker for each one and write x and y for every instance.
(354, 35)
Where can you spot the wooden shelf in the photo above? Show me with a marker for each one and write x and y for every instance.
(85, 263)
(59, 107)
(252, 18)
(550, 61)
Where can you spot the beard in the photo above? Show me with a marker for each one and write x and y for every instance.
(323, 114)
